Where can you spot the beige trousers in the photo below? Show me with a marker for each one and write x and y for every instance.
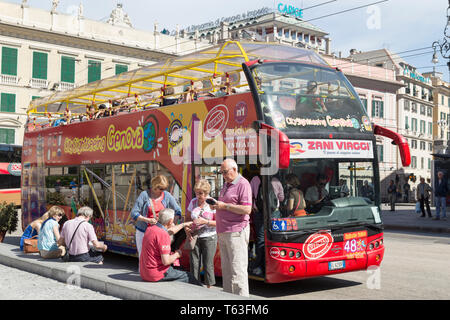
(234, 261)
(54, 254)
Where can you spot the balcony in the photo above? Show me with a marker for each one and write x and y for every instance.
(9, 80)
(63, 86)
(39, 83)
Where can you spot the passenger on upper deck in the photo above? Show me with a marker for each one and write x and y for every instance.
(90, 112)
(311, 103)
(67, 115)
(189, 94)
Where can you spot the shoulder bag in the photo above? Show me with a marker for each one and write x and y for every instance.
(30, 245)
(66, 256)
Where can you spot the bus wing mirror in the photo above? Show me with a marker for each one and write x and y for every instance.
(284, 147)
(398, 140)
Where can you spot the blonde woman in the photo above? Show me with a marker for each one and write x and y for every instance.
(204, 226)
(149, 203)
(33, 229)
(49, 235)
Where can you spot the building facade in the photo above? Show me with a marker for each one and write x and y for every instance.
(265, 25)
(46, 51)
(415, 112)
(441, 116)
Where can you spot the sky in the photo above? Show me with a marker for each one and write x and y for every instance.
(398, 25)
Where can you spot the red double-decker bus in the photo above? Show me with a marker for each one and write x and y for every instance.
(279, 111)
(10, 168)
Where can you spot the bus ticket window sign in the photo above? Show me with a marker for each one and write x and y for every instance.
(290, 10)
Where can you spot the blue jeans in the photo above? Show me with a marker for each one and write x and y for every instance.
(441, 205)
(179, 275)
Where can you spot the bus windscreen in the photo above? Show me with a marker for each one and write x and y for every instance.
(296, 96)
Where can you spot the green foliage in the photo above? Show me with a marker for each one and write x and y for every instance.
(9, 218)
(56, 199)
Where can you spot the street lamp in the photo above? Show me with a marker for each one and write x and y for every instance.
(443, 47)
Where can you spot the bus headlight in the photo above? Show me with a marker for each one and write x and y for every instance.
(283, 253)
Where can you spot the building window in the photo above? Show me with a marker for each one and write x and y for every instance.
(423, 145)
(364, 102)
(94, 70)
(7, 136)
(422, 163)
(8, 102)
(40, 61)
(377, 108)
(429, 112)
(422, 109)
(429, 164)
(414, 124)
(413, 144)
(406, 123)
(414, 162)
(121, 68)
(414, 107)
(9, 61)
(67, 69)
(407, 105)
(430, 128)
(430, 146)
(380, 152)
(422, 126)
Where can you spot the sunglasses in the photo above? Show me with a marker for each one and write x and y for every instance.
(224, 171)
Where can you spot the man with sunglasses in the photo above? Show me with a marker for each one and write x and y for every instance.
(232, 225)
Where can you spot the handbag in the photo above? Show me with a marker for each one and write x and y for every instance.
(66, 256)
(190, 244)
(31, 245)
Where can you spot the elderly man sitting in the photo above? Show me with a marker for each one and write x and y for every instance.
(156, 257)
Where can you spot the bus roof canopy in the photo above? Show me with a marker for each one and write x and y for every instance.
(148, 81)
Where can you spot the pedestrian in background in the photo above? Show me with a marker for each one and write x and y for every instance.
(392, 194)
(423, 195)
(233, 231)
(440, 196)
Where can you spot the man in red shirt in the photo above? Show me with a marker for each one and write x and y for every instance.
(156, 258)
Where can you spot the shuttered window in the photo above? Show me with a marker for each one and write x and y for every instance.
(40, 65)
(94, 70)
(9, 61)
(67, 69)
(8, 102)
(121, 68)
(7, 136)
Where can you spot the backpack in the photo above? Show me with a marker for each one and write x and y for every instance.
(272, 199)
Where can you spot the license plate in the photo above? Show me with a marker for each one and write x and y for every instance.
(336, 265)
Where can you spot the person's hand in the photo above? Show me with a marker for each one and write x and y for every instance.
(187, 224)
(200, 221)
(152, 221)
(219, 205)
(179, 253)
(105, 247)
